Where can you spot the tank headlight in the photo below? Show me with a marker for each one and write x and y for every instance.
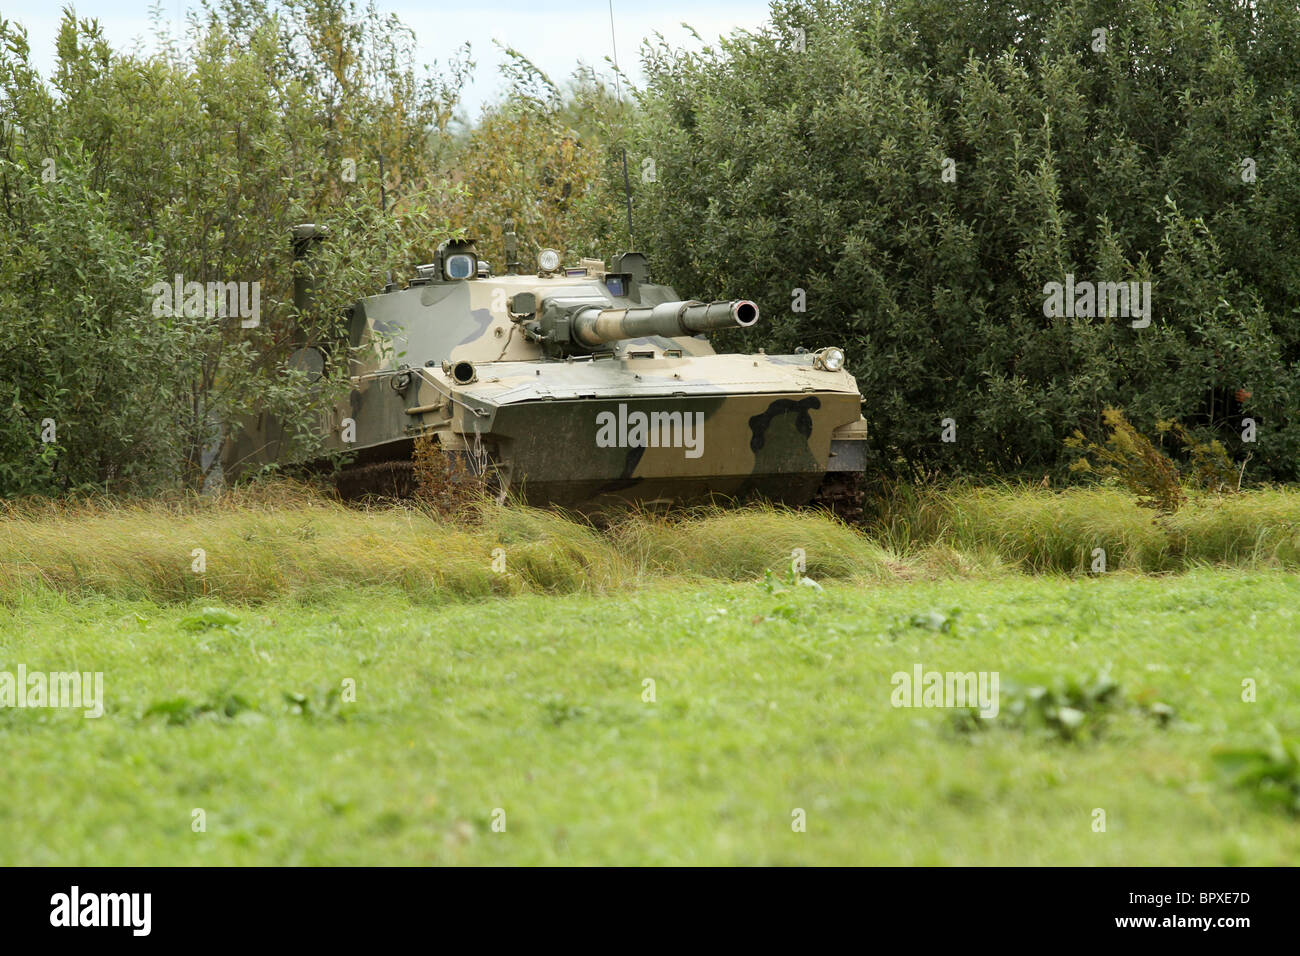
(460, 266)
(831, 359)
(548, 260)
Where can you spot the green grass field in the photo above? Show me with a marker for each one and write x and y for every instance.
(290, 681)
(766, 700)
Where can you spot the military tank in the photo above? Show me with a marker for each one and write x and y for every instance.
(585, 387)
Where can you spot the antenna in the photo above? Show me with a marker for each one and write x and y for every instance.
(383, 211)
(618, 92)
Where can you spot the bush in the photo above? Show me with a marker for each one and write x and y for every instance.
(126, 170)
(917, 173)
(1129, 456)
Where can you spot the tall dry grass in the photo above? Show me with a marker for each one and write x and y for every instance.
(282, 539)
(1040, 530)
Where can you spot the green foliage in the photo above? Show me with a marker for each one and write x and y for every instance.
(180, 711)
(937, 621)
(809, 154)
(544, 160)
(84, 368)
(1270, 770)
(1063, 708)
(209, 617)
(128, 169)
(1209, 465)
(793, 578)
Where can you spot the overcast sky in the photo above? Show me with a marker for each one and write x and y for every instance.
(554, 34)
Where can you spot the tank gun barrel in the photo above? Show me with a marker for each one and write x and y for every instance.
(593, 326)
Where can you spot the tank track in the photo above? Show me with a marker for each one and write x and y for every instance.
(384, 479)
(841, 494)
(396, 479)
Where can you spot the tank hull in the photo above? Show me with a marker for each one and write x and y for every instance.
(598, 453)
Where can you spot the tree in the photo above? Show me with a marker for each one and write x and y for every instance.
(923, 171)
(542, 160)
(196, 163)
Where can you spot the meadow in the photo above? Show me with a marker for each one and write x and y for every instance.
(342, 686)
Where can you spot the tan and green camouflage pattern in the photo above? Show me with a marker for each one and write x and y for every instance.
(772, 425)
